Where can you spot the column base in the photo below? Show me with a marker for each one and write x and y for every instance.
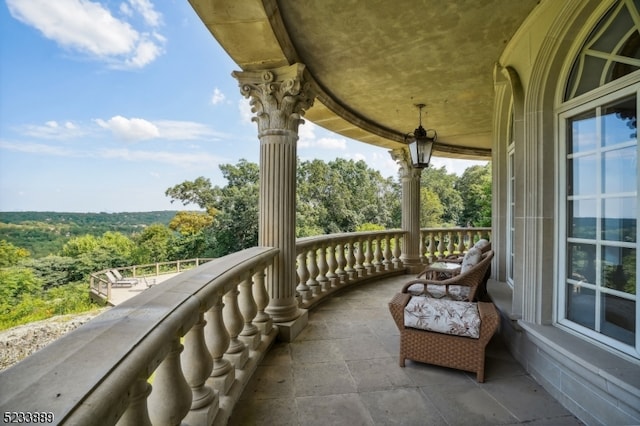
(413, 266)
(288, 331)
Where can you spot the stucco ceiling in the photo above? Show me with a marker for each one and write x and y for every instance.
(374, 60)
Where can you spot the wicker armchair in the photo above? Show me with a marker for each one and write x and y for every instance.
(475, 279)
(462, 353)
(483, 245)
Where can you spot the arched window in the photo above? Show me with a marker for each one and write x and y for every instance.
(599, 184)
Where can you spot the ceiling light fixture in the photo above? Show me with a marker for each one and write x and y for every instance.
(421, 143)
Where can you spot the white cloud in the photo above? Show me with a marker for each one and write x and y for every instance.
(38, 148)
(53, 130)
(89, 28)
(245, 111)
(146, 9)
(454, 165)
(175, 159)
(217, 96)
(187, 130)
(130, 129)
(138, 129)
(331, 143)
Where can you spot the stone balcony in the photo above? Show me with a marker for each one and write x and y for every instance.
(205, 343)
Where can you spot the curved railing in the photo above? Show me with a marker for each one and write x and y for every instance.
(331, 262)
(436, 243)
(99, 373)
(199, 336)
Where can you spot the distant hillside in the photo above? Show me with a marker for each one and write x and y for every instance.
(44, 233)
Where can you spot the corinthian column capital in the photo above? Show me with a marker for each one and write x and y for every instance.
(402, 158)
(278, 96)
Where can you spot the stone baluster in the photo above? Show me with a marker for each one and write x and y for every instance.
(351, 259)
(359, 253)
(262, 320)
(217, 339)
(323, 269)
(303, 275)
(377, 254)
(137, 413)
(332, 264)
(441, 246)
(197, 366)
(461, 248)
(423, 248)
(368, 257)
(250, 333)
(432, 247)
(451, 245)
(237, 352)
(397, 262)
(312, 282)
(170, 398)
(387, 262)
(341, 262)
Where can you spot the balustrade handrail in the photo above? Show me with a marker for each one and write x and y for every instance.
(98, 373)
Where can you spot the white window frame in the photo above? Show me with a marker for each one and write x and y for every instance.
(594, 99)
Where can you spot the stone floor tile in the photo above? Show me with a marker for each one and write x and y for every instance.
(524, 398)
(467, 405)
(315, 330)
(361, 347)
(334, 410)
(434, 375)
(311, 351)
(405, 406)
(279, 354)
(268, 382)
(342, 329)
(265, 412)
(378, 374)
(322, 379)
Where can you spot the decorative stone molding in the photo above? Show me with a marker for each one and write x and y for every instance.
(278, 96)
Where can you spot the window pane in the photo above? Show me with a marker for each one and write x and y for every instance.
(582, 219)
(619, 122)
(583, 133)
(582, 262)
(583, 178)
(620, 219)
(619, 170)
(618, 318)
(619, 269)
(581, 306)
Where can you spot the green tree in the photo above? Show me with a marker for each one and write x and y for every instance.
(475, 189)
(11, 255)
(431, 209)
(443, 184)
(153, 244)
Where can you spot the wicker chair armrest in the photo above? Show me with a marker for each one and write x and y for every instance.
(396, 306)
(490, 320)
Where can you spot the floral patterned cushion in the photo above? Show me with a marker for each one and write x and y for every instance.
(481, 243)
(471, 259)
(443, 316)
(456, 292)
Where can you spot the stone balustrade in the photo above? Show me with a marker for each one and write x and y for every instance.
(328, 263)
(436, 243)
(177, 353)
(183, 351)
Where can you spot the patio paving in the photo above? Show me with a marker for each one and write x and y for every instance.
(343, 370)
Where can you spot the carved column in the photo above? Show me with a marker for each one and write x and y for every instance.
(279, 98)
(410, 210)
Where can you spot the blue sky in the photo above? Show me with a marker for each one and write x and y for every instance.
(106, 104)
